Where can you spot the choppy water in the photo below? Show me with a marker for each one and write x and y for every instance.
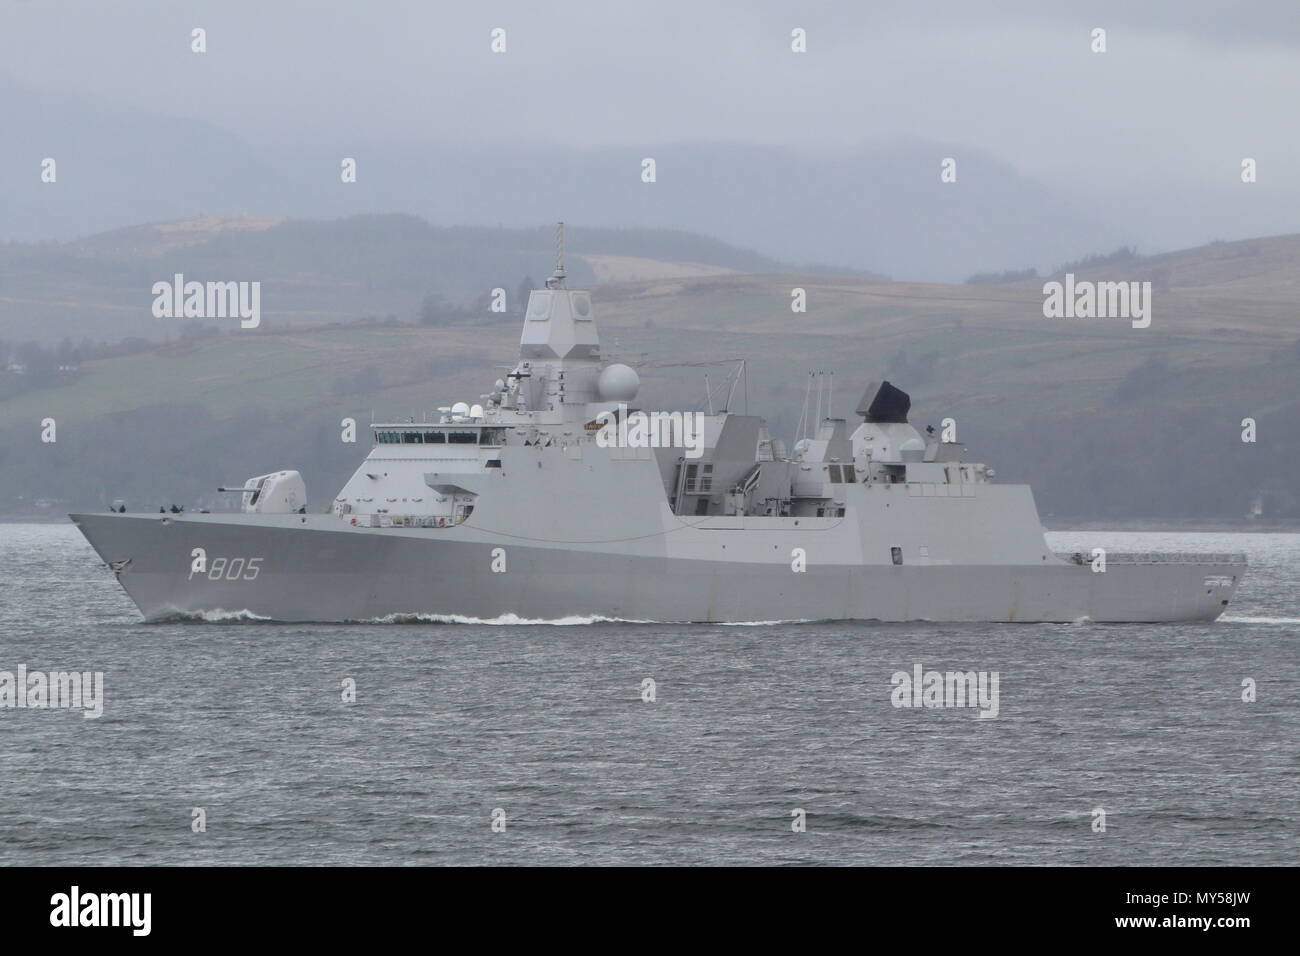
(547, 723)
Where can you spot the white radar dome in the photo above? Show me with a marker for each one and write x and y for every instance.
(460, 409)
(912, 450)
(618, 383)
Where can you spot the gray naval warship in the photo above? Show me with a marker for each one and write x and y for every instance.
(555, 498)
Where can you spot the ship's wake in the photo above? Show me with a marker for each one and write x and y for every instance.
(214, 616)
(576, 620)
(503, 620)
(245, 616)
(1259, 620)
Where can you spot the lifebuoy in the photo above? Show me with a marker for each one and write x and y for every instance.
(442, 522)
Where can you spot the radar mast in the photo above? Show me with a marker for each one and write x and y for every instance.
(556, 281)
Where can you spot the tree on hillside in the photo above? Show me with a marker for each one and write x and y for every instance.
(433, 309)
(521, 295)
(38, 363)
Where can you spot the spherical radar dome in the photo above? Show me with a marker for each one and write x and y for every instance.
(912, 450)
(618, 383)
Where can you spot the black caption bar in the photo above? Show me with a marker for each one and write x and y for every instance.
(139, 905)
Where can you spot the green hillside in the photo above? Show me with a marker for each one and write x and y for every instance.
(317, 271)
(1105, 420)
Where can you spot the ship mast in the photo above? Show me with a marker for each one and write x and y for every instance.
(556, 281)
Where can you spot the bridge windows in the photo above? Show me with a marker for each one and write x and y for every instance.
(462, 436)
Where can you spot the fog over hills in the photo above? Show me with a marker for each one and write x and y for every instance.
(880, 209)
(1165, 156)
(827, 157)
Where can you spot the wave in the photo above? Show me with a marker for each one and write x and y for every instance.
(795, 620)
(222, 616)
(215, 616)
(510, 620)
(503, 620)
(1260, 620)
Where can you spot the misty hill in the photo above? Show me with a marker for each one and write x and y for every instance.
(99, 287)
(1106, 421)
(880, 208)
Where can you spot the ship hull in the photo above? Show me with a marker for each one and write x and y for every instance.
(316, 568)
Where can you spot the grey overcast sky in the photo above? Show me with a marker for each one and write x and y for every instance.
(1186, 89)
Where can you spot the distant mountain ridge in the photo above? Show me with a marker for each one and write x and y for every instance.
(321, 271)
(879, 207)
